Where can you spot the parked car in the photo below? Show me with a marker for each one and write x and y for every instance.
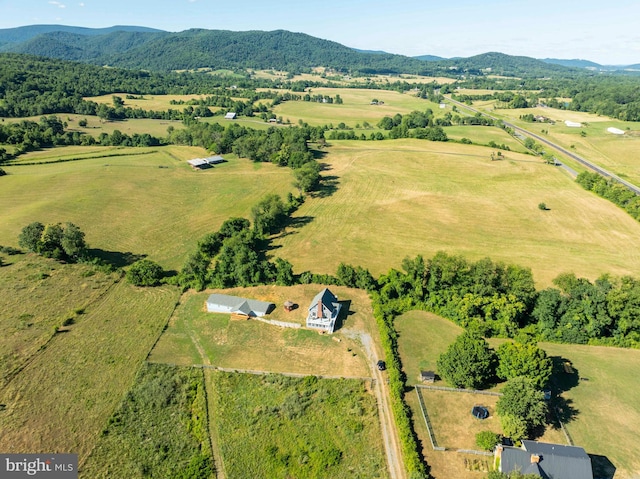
(381, 365)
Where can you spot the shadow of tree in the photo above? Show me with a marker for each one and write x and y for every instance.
(564, 375)
(116, 259)
(327, 187)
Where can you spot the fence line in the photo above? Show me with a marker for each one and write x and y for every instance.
(425, 416)
(478, 453)
(459, 390)
(564, 429)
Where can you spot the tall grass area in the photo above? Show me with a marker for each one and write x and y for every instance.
(63, 397)
(162, 427)
(151, 203)
(275, 426)
(41, 295)
(396, 198)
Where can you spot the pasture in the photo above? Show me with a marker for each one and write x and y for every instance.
(40, 295)
(386, 200)
(275, 426)
(62, 398)
(195, 336)
(356, 108)
(138, 200)
(602, 405)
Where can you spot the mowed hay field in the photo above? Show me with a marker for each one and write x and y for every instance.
(144, 200)
(392, 199)
(275, 426)
(615, 153)
(195, 336)
(605, 402)
(356, 108)
(62, 399)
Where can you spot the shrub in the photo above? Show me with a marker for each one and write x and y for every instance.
(487, 440)
(144, 273)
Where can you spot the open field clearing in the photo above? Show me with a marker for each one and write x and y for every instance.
(95, 125)
(148, 102)
(406, 197)
(62, 399)
(346, 79)
(616, 153)
(151, 202)
(171, 403)
(275, 426)
(605, 402)
(39, 295)
(195, 336)
(483, 135)
(356, 108)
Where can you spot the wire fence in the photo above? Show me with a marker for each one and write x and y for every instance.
(459, 390)
(425, 416)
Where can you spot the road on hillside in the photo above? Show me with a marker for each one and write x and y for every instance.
(559, 148)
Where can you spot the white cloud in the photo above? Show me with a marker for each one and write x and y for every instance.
(81, 4)
(57, 4)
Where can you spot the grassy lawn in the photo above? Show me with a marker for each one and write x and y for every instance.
(195, 336)
(408, 197)
(144, 201)
(356, 108)
(63, 397)
(159, 430)
(483, 135)
(274, 426)
(605, 404)
(39, 295)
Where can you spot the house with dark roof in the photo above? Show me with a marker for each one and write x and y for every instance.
(549, 461)
(323, 311)
(224, 303)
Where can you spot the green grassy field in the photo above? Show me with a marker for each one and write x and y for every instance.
(162, 425)
(605, 403)
(62, 398)
(40, 295)
(195, 336)
(616, 153)
(274, 426)
(400, 198)
(482, 135)
(356, 108)
(148, 201)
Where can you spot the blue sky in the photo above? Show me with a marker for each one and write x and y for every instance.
(604, 32)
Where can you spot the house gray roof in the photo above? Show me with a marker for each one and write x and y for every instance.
(555, 461)
(235, 304)
(327, 298)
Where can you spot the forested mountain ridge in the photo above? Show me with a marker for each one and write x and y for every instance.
(26, 33)
(280, 49)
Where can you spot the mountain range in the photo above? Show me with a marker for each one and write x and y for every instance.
(145, 48)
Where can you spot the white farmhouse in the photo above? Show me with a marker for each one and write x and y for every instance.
(323, 311)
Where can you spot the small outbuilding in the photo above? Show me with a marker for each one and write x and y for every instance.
(427, 376)
(289, 305)
(572, 124)
(230, 116)
(615, 131)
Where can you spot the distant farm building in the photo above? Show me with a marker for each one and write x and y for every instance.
(249, 308)
(323, 311)
(615, 131)
(230, 116)
(427, 376)
(204, 163)
(572, 124)
(442, 106)
(545, 460)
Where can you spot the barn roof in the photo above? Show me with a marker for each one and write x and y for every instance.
(235, 304)
(547, 460)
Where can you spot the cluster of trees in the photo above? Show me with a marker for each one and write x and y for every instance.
(62, 242)
(469, 362)
(235, 255)
(611, 190)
